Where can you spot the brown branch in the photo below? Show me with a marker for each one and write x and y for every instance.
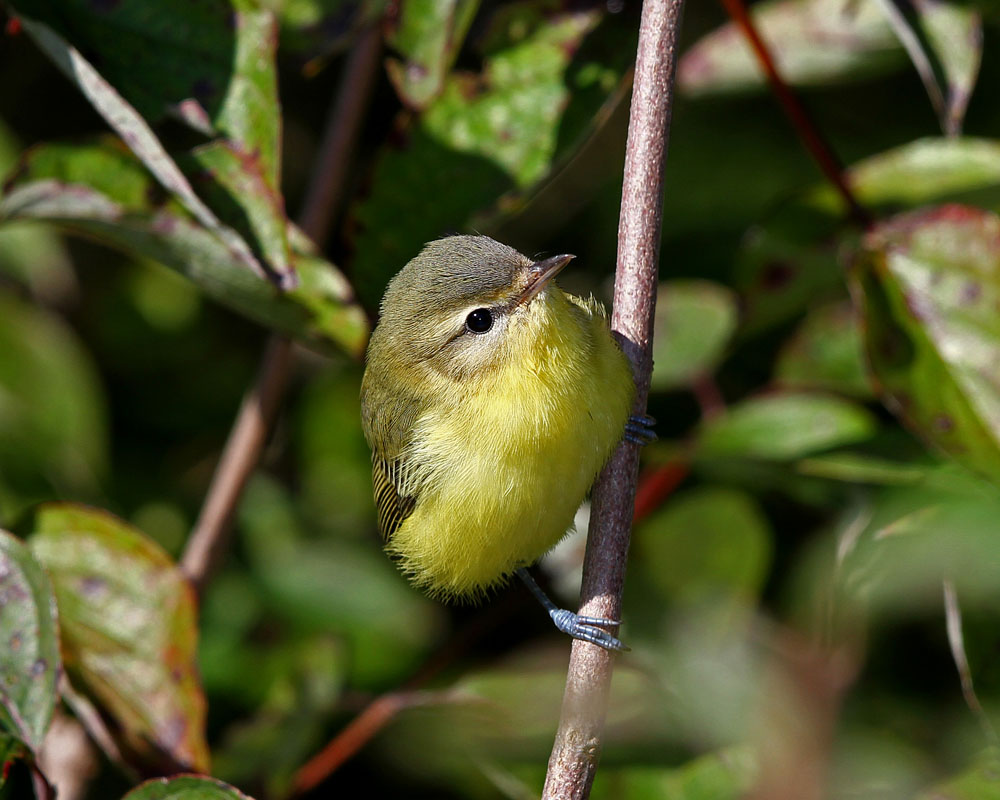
(257, 413)
(343, 123)
(239, 459)
(577, 744)
(810, 135)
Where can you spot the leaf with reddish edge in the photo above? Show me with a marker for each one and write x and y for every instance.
(185, 787)
(129, 632)
(30, 665)
(928, 287)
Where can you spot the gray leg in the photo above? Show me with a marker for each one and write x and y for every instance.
(639, 430)
(577, 626)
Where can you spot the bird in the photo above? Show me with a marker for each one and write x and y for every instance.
(491, 399)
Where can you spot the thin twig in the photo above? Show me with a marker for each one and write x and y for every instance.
(260, 406)
(343, 123)
(577, 744)
(918, 57)
(810, 135)
(956, 641)
(239, 459)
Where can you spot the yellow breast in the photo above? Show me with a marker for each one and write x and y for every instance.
(513, 459)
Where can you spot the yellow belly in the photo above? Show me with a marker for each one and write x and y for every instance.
(513, 461)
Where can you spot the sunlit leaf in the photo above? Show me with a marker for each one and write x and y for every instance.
(783, 426)
(129, 631)
(694, 323)
(485, 135)
(185, 787)
(428, 35)
(927, 286)
(826, 352)
(812, 41)
(30, 665)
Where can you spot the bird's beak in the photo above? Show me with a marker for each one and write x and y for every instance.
(539, 275)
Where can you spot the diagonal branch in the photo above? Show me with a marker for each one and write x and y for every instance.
(577, 745)
(810, 135)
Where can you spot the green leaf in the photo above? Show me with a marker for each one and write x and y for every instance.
(826, 352)
(927, 284)
(428, 35)
(30, 665)
(52, 408)
(209, 63)
(510, 113)
(725, 775)
(185, 787)
(707, 544)
(101, 191)
(814, 42)
(129, 632)
(784, 426)
(695, 321)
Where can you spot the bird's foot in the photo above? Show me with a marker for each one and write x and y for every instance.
(639, 430)
(587, 629)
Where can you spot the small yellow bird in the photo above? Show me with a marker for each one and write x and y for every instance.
(491, 399)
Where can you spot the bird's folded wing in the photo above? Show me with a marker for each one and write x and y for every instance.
(392, 501)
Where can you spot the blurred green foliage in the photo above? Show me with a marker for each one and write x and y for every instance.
(829, 394)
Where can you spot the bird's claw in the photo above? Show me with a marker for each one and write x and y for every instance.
(585, 628)
(639, 429)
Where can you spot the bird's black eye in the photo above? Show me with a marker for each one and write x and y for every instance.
(480, 320)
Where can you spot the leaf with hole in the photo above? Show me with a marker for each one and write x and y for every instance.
(129, 632)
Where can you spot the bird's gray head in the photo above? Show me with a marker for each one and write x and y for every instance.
(457, 303)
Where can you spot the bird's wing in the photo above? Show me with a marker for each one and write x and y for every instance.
(392, 500)
(388, 421)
